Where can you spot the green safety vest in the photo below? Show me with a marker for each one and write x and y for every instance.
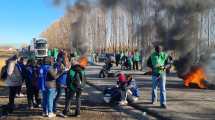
(158, 60)
(72, 78)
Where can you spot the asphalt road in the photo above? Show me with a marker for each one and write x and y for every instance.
(183, 103)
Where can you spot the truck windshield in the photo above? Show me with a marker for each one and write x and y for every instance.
(41, 52)
(40, 46)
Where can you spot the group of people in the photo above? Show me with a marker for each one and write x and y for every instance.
(126, 90)
(128, 59)
(159, 62)
(45, 80)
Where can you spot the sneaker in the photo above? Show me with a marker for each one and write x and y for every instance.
(51, 115)
(164, 106)
(153, 102)
(78, 116)
(31, 108)
(20, 95)
(135, 99)
(45, 114)
(37, 106)
(124, 102)
(62, 115)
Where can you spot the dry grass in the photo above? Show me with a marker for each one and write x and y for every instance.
(6, 54)
(2, 63)
(3, 56)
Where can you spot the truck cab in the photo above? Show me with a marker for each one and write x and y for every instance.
(40, 47)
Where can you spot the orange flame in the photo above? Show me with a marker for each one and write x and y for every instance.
(83, 61)
(196, 76)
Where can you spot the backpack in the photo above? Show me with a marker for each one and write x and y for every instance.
(77, 79)
(149, 62)
(4, 72)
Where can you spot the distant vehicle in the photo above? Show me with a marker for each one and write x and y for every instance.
(40, 47)
(210, 68)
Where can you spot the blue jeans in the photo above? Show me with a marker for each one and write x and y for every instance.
(48, 100)
(161, 81)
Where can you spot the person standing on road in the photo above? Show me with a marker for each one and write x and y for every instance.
(31, 79)
(22, 66)
(28, 76)
(55, 53)
(13, 81)
(136, 60)
(61, 82)
(76, 80)
(117, 57)
(47, 84)
(158, 60)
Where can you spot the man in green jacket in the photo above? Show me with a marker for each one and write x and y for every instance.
(55, 53)
(136, 60)
(158, 59)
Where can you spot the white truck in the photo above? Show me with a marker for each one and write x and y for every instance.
(40, 47)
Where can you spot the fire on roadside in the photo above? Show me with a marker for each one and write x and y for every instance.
(83, 61)
(197, 77)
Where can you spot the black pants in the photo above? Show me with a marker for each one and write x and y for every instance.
(12, 95)
(32, 93)
(19, 90)
(123, 90)
(59, 93)
(135, 65)
(69, 96)
(117, 62)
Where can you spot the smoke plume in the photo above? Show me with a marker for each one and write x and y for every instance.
(175, 21)
(181, 34)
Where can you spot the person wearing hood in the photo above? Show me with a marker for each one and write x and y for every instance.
(76, 80)
(13, 80)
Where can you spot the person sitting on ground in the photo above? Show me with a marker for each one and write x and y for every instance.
(133, 91)
(122, 84)
(129, 89)
(125, 91)
(108, 64)
(113, 95)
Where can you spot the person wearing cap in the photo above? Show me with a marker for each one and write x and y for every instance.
(158, 60)
(123, 83)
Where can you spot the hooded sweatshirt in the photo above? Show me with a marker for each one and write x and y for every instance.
(14, 77)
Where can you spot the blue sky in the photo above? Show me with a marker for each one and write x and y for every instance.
(21, 20)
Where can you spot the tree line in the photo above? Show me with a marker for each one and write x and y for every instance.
(117, 28)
